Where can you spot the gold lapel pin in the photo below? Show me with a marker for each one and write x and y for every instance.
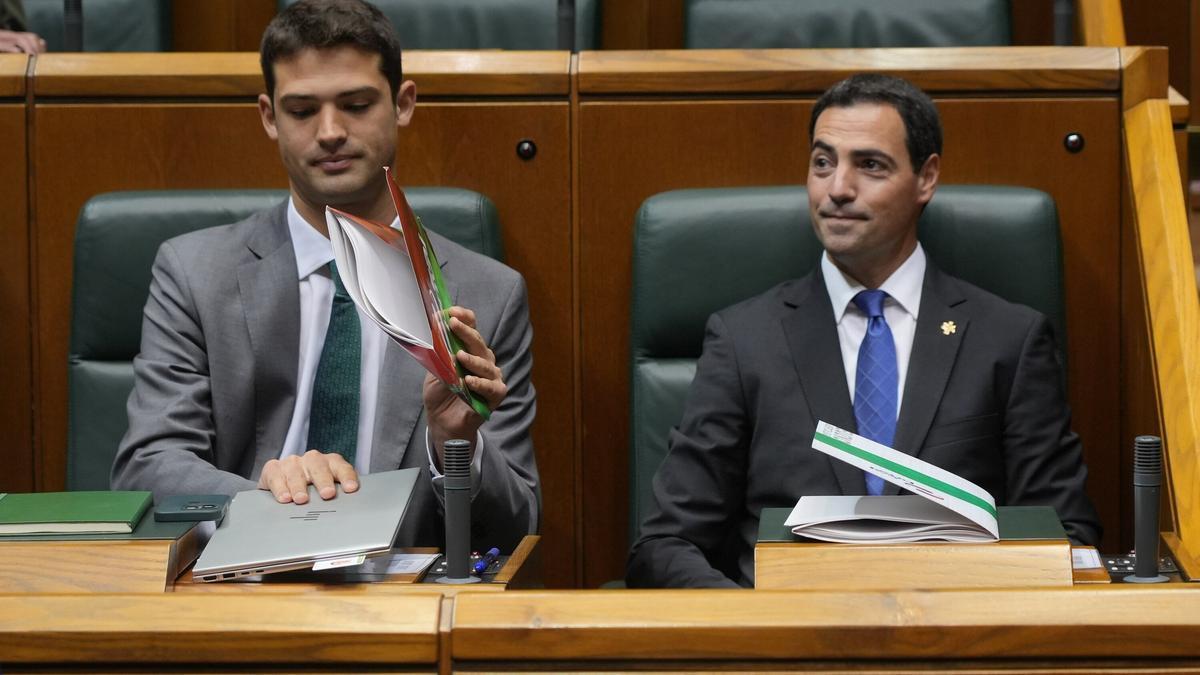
(948, 328)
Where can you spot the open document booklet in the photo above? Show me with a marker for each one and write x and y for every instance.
(944, 507)
(394, 278)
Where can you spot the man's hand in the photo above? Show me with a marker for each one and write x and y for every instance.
(288, 478)
(449, 416)
(16, 41)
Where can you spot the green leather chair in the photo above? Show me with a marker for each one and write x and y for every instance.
(116, 239)
(698, 251)
(766, 24)
(108, 25)
(486, 24)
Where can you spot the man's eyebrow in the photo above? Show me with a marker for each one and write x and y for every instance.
(872, 153)
(341, 94)
(822, 145)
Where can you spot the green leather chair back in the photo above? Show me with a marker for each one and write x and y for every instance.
(116, 239)
(486, 24)
(698, 251)
(108, 25)
(766, 24)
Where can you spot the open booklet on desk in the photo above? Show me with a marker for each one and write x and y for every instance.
(943, 506)
(394, 278)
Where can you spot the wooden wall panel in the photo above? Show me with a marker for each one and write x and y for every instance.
(16, 397)
(1166, 23)
(86, 148)
(1033, 22)
(16, 401)
(220, 25)
(630, 150)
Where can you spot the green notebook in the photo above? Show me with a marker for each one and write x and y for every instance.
(71, 512)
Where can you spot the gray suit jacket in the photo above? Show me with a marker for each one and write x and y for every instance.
(985, 402)
(216, 377)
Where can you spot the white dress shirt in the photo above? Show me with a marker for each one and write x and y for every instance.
(313, 253)
(900, 310)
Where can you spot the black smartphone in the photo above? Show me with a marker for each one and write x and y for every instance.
(191, 507)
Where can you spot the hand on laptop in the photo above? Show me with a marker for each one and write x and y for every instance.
(288, 478)
(449, 416)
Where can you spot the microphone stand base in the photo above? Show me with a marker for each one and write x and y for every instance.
(474, 580)
(1135, 579)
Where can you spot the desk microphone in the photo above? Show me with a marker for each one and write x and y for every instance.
(456, 484)
(1147, 477)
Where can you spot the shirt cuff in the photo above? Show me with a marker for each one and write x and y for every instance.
(476, 464)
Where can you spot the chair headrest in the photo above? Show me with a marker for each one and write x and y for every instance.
(698, 251)
(838, 24)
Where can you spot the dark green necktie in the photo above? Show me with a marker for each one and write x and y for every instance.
(333, 417)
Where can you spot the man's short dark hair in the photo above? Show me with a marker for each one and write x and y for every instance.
(324, 24)
(922, 127)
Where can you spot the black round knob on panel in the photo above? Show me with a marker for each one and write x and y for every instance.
(526, 149)
(1073, 142)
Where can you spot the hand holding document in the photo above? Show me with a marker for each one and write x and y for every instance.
(944, 506)
(394, 277)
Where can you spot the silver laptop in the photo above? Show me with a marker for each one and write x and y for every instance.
(259, 535)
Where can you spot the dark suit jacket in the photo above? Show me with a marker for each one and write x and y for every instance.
(214, 384)
(985, 402)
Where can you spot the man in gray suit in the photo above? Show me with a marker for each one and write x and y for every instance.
(876, 340)
(236, 339)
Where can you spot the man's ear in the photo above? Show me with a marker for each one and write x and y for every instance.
(266, 111)
(927, 178)
(406, 102)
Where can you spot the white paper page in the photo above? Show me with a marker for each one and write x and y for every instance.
(384, 284)
(883, 520)
(1085, 559)
(917, 476)
(397, 563)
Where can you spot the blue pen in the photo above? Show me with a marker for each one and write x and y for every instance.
(483, 563)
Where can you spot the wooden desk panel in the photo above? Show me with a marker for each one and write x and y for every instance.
(631, 149)
(346, 630)
(811, 71)
(16, 398)
(16, 350)
(437, 73)
(708, 630)
(86, 148)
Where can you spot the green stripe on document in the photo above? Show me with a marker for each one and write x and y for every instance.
(911, 474)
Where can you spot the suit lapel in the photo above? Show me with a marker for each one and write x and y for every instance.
(940, 330)
(400, 403)
(813, 341)
(270, 298)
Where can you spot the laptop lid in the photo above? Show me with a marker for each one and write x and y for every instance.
(259, 535)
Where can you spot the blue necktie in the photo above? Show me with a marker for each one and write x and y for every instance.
(333, 417)
(875, 388)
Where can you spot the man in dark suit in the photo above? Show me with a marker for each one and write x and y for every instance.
(875, 340)
(255, 369)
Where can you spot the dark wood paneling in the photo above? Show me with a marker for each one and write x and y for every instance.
(1033, 22)
(220, 25)
(630, 150)
(83, 149)
(16, 399)
(1166, 23)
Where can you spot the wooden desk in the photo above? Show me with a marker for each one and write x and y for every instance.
(198, 633)
(520, 570)
(95, 566)
(1114, 628)
(158, 565)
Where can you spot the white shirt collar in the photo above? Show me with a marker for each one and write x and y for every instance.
(903, 286)
(313, 251)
